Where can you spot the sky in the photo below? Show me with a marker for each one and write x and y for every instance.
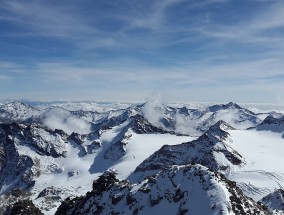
(128, 50)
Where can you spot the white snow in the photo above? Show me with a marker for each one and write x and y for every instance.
(54, 171)
(263, 152)
(141, 146)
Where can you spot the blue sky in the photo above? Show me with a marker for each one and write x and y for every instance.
(186, 50)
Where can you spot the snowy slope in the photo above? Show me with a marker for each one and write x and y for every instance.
(53, 152)
(58, 168)
(263, 152)
(176, 190)
(209, 150)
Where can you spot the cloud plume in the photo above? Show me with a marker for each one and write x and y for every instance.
(58, 118)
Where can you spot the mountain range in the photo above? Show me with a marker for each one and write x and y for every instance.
(140, 159)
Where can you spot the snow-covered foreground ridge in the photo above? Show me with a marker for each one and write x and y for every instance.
(140, 159)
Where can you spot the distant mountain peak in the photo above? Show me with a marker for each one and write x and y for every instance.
(272, 124)
(18, 106)
(141, 125)
(221, 125)
(269, 120)
(230, 105)
(274, 201)
(217, 132)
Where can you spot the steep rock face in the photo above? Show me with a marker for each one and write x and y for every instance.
(272, 124)
(15, 166)
(274, 202)
(210, 150)
(24, 207)
(176, 190)
(140, 125)
(137, 124)
(86, 143)
(15, 169)
(49, 197)
(45, 141)
(40, 139)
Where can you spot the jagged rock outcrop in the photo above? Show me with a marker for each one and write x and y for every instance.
(15, 167)
(44, 141)
(137, 124)
(274, 202)
(176, 190)
(210, 150)
(23, 207)
(271, 124)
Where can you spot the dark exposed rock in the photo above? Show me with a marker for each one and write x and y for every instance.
(137, 124)
(104, 182)
(50, 192)
(33, 137)
(68, 206)
(272, 124)
(274, 201)
(77, 138)
(176, 185)
(202, 151)
(13, 167)
(141, 126)
(19, 171)
(24, 207)
(155, 201)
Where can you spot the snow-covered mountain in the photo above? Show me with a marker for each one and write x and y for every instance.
(17, 111)
(209, 149)
(182, 120)
(274, 201)
(159, 156)
(189, 189)
(272, 124)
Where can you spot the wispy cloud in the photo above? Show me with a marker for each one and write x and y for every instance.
(178, 74)
(10, 70)
(45, 19)
(255, 28)
(135, 47)
(135, 25)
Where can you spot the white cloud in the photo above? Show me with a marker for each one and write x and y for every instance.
(252, 30)
(153, 109)
(58, 118)
(10, 70)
